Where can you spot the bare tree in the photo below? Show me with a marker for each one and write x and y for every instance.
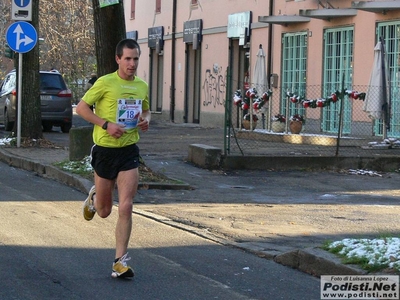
(68, 37)
(72, 31)
(30, 99)
(68, 41)
(31, 124)
(6, 64)
(109, 25)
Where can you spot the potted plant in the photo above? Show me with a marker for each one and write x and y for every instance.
(246, 121)
(278, 123)
(296, 123)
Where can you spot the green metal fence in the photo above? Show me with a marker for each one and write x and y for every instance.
(269, 131)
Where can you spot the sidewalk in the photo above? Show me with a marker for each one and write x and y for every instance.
(279, 215)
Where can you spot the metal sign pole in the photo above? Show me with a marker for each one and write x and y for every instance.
(19, 94)
(21, 37)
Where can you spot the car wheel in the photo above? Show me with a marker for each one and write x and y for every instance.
(66, 127)
(7, 124)
(47, 127)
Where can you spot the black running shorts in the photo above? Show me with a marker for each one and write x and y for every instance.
(108, 162)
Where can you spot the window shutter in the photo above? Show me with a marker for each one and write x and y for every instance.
(133, 8)
(158, 6)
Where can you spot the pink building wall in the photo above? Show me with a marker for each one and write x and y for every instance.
(215, 44)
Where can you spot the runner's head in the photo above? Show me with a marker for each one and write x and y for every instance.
(126, 43)
(127, 55)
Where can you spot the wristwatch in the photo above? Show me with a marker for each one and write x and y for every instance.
(105, 125)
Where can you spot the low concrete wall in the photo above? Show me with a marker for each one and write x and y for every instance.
(210, 157)
(386, 164)
(80, 142)
(204, 156)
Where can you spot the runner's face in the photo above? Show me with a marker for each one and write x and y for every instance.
(128, 63)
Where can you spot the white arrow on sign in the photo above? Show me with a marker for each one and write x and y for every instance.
(27, 40)
(21, 3)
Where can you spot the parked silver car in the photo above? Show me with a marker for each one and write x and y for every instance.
(55, 98)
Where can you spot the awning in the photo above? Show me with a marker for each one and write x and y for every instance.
(376, 6)
(328, 13)
(283, 19)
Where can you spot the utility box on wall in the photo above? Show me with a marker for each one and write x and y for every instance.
(273, 80)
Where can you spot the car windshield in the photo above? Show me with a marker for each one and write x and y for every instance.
(51, 82)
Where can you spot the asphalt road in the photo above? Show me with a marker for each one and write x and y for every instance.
(54, 254)
(47, 251)
(252, 189)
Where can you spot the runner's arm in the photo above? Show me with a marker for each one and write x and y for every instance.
(144, 120)
(83, 109)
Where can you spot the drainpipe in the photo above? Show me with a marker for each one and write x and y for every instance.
(270, 13)
(269, 58)
(173, 59)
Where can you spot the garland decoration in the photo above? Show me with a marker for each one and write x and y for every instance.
(323, 102)
(258, 101)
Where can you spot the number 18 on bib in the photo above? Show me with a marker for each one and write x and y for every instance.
(128, 112)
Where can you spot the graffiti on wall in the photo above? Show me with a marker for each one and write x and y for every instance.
(214, 87)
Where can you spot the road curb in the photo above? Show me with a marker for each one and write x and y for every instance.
(313, 261)
(317, 262)
(79, 182)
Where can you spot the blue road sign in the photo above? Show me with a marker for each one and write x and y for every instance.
(21, 36)
(21, 3)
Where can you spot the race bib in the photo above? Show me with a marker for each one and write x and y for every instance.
(128, 112)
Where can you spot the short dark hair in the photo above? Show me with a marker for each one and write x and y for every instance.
(126, 43)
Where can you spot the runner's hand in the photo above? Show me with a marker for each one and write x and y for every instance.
(115, 130)
(143, 124)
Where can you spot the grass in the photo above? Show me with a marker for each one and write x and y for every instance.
(83, 167)
(85, 170)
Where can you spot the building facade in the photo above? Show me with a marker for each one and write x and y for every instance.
(197, 53)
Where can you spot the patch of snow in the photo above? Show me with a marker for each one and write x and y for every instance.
(363, 172)
(328, 196)
(5, 141)
(383, 251)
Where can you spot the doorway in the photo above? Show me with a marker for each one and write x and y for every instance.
(239, 61)
(156, 80)
(192, 85)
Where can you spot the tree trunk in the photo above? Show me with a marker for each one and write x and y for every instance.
(109, 29)
(31, 124)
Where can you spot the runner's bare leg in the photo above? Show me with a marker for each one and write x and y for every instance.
(127, 183)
